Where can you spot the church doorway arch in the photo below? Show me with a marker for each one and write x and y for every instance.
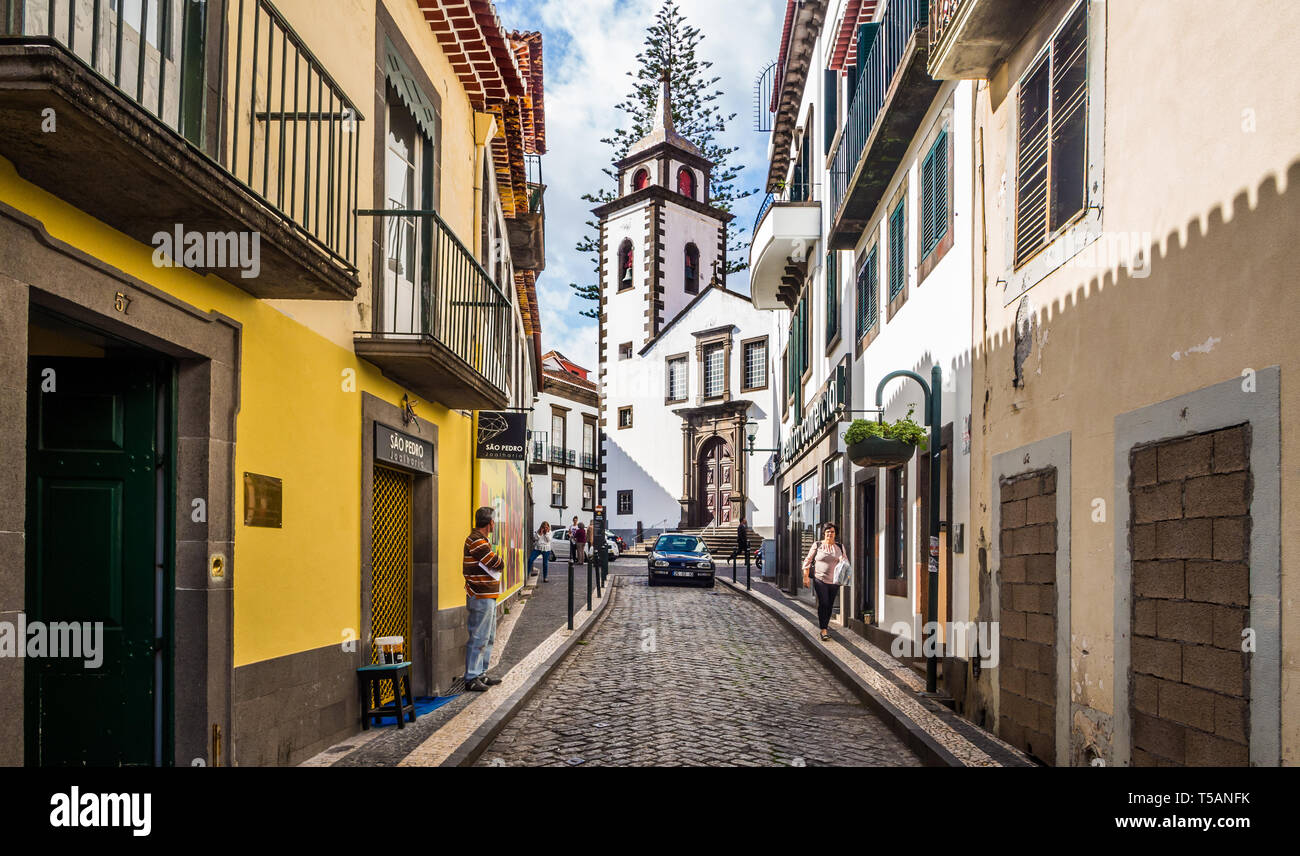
(716, 468)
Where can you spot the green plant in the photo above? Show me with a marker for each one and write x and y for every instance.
(905, 429)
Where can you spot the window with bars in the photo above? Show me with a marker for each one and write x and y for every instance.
(677, 379)
(755, 357)
(934, 195)
(1051, 143)
(868, 293)
(714, 371)
(898, 249)
(832, 297)
(625, 502)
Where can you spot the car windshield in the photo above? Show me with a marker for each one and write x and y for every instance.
(679, 544)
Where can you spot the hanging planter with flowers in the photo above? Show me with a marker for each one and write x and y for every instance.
(884, 444)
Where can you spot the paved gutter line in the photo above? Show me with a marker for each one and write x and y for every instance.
(923, 732)
(462, 740)
(898, 673)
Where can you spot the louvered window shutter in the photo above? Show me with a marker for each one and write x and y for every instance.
(873, 289)
(897, 250)
(1031, 163)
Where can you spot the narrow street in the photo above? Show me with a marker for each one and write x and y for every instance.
(692, 676)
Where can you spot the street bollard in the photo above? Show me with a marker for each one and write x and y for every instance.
(747, 588)
(570, 593)
(596, 567)
(589, 583)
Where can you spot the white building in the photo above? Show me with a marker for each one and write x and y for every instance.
(684, 362)
(562, 454)
(867, 252)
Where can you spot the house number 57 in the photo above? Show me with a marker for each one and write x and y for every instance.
(121, 302)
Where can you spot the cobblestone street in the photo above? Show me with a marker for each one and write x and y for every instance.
(692, 676)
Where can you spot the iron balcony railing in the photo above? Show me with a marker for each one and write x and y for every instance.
(446, 296)
(762, 212)
(899, 22)
(538, 447)
(295, 138)
(942, 14)
(536, 187)
(794, 191)
(292, 131)
(557, 455)
(571, 457)
(588, 461)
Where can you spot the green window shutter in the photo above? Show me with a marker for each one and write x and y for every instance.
(830, 106)
(934, 195)
(873, 289)
(860, 327)
(942, 181)
(897, 249)
(927, 203)
(832, 296)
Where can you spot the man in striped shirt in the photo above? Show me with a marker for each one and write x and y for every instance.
(482, 569)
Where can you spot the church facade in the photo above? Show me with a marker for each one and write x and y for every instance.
(684, 361)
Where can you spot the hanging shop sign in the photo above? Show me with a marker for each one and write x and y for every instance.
(403, 450)
(826, 410)
(501, 436)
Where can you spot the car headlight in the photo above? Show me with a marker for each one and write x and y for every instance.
(660, 563)
(704, 564)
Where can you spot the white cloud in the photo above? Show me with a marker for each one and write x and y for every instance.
(590, 46)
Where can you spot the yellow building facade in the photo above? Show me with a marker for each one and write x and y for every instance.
(249, 460)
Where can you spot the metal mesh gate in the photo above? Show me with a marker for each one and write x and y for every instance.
(390, 562)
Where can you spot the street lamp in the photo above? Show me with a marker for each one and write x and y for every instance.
(933, 418)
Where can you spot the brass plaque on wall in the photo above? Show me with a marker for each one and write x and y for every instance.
(263, 500)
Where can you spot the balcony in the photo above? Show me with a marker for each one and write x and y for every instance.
(446, 335)
(527, 232)
(537, 453)
(892, 97)
(164, 133)
(970, 38)
(588, 461)
(784, 234)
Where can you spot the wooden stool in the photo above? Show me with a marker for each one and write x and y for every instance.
(371, 679)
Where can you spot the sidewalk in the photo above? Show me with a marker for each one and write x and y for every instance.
(890, 687)
(530, 640)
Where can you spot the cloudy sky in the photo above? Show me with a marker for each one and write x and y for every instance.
(590, 46)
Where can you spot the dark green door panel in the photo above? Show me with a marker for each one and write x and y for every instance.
(92, 523)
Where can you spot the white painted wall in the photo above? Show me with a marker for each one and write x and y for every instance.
(573, 476)
(648, 457)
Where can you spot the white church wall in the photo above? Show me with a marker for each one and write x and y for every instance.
(682, 226)
(648, 458)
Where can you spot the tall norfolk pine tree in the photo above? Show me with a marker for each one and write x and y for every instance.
(671, 44)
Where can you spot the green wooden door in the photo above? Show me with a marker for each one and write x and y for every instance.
(92, 524)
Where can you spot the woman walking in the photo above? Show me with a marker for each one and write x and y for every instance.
(820, 564)
(580, 542)
(541, 547)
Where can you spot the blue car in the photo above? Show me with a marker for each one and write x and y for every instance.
(680, 558)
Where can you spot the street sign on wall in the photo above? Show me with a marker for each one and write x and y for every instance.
(403, 450)
(501, 436)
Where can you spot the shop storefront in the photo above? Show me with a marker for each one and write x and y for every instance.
(810, 480)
